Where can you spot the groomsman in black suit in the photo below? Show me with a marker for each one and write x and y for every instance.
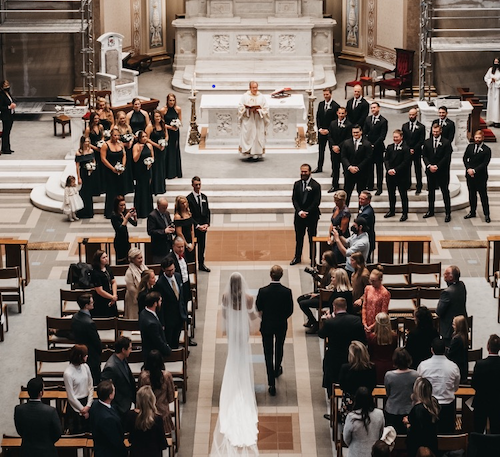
(357, 108)
(327, 112)
(414, 137)
(437, 158)
(338, 132)
(375, 131)
(276, 305)
(198, 205)
(397, 163)
(476, 159)
(7, 109)
(356, 155)
(306, 198)
(152, 333)
(447, 125)
(160, 229)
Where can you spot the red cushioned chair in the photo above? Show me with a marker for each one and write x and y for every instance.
(362, 79)
(403, 74)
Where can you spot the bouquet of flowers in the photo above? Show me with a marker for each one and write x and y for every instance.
(149, 161)
(90, 167)
(162, 142)
(128, 137)
(107, 134)
(119, 168)
(176, 123)
(100, 143)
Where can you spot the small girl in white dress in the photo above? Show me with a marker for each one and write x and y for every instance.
(72, 200)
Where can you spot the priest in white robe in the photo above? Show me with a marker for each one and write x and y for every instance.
(492, 80)
(253, 115)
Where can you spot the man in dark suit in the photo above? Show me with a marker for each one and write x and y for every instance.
(105, 424)
(485, 381)
(452, 302)
(477, 156)
(367, 212)
(437, 158)
(357, 108)
(447, 125)
(338, 132)
(375, 131)
(85, 332)
(356, 155)
(276, 305)
(414, 137)
(340, 330)
(306, 198)
(174, 312)
(397, 163)
(37, 424)
(327, 112)
(160, 229)
(7, 108)
(198, 205)
(152, 332)
(118, 371)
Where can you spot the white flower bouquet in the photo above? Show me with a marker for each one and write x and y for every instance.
(162, 142)
(128, 137)
(176, 123)
(149, 161)
(100, 143)
(107, 134)
(90, 167)
(119, 168)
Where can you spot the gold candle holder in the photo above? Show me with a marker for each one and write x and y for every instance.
(311, 135)
(194, 133)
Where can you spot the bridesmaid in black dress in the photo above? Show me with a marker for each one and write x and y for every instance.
(171, 112)
(119, 219)
(105, 287)
(184, 226)
(138, 119)
(112, 154)
(105, 114)
(127, 138)
(157, 132)
(85, 161)
(95, 132)
(143, 200)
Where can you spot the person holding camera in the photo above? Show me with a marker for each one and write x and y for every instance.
(339, 222)
(120, 217)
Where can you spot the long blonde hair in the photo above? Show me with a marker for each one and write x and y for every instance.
(359, 359)
(383, 329)
(146, 404)
(422, 393)
(342, 283)
(462, 329)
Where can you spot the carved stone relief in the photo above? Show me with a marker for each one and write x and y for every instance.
(280, 123)
(136, 26)
(321, 42)
(188, 40)
(287, 8)
(220, 43)
(254, 43)
(224, 124)
(352, 28)
(287, 43)
(222, 8)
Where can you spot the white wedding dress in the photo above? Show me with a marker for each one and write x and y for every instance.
(236, 430)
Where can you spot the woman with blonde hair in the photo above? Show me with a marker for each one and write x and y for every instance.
(381, 345)
(132, 280)
(148, 280)
(127, 138)
(341, 287)
(105, 113)
(458, 350)
(184, 226)
(145, 425)
(375, 299)
(339, 222)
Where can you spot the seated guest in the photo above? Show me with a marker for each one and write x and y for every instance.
(105, 287)
(120, 217)
(381, 449)
(419, 340)
(132, 280)
(375, 299)
(458, 351)
(152, 333)
(399, 387)
(148, 280)
(80, 390)
(339, 222)
(145, 425)
(341, 287)
(359, 279)
(381, 344)
(37, 423)
(161, 381)
(364, 425)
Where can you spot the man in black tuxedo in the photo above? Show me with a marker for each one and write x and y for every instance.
(356, 155)
(338, 132)
(437, 158)
(85, 332)
(174, 312)
(375, 131)
(275, 304)
(105, 424)
(367, 212)
(327, 112)
(447, 125)
(306, 198)
(357, 108)
(152, 332)
(37, 424)
(397, 162)
(118, 371)
(477, 156)
(485, 381)
(340, 330)
(414, 137)
(7, 108)
(198, 205)
(160, 229)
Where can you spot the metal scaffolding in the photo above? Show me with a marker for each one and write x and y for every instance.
(425, 55)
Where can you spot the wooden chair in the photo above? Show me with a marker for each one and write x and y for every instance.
(106, 327)
(67, 445)
(50, 365)
(130, 329)
(59, 332)
(469, 325)
(192, 304)
(176, 363)
(119, 274)
(473, 355)
(453, 442)
(362, 78)
(481, 445)
(12, 286)
(429, 296)
(68, 298)
(425, 274)
(4, 319)
(136, 362)
(396, 275)
(403, 74)
(175, 411)
(403, 299)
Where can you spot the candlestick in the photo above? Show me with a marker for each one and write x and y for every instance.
(194, 81)
(192, 87)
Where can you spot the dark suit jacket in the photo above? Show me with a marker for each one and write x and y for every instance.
(6, 113)
(107, 431)
(152, 335)
(173, 310)
(323, 119)
(357, 115)
(369, 215)
(312, 199)
(362, 158)
(161, 242)
(186, 286)
(442, 157)
(400, 161)
(276, 305)
(201, 215)
(124, 383)
(452, 302)
(375, 133)
(39, 426)
(338, 135)
(479, 161)
(415, 139)
(85, 332)
(485, 381)
(448, 129)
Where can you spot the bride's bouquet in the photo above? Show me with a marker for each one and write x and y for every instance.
(119, 168)
(149, 161)
(176, 123)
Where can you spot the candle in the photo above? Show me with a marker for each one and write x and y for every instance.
(192, 87)
(310, 79)
(194, 82)
(312, 86)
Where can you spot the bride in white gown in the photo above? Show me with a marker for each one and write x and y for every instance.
(236, 430)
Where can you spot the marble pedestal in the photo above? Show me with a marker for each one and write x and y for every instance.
(76, 114)
(457, 115)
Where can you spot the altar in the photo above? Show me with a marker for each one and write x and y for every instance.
(220, 112)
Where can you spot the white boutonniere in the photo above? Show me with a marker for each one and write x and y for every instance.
(309, 188)
(444, 124)
(416, 127)
(375, 120)
(440, 144)
(203, 201)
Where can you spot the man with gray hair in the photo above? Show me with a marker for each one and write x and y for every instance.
(160, 229)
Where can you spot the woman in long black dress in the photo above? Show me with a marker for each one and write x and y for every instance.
(138, 119)
(114, 160)
(119, 219)
(143, 200)
(127, 138)
(170, 113)
(158, 136)
(85, 168)
(184, 226)
(95, 132)
(105, 114)
(105, 287)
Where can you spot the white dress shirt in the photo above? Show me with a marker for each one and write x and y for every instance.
(443, 374)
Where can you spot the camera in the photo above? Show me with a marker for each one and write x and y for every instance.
(312, 271)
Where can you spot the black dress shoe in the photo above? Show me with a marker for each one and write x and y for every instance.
(6, 152)
(309, 323)
(447, 218)
(11, 151)
(295, 261)
(314, 329)
(331, 190)
(487, 219)
(327, 417)
(389, 214)
(403, 218)
(317, 170)
(278, 372)
(203, 267)
(272, 391)
(192, 342)
(418, 191)
(428, 214)
(379, 192)
(470, 215)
